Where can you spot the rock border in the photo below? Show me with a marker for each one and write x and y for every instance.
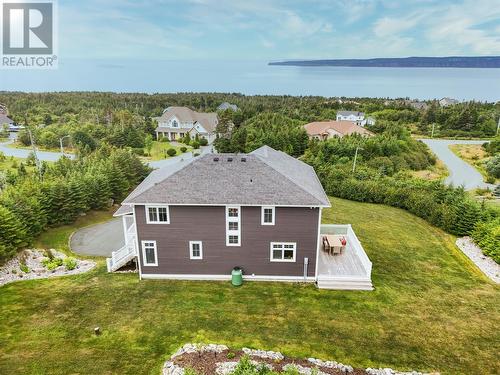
(10, 272)
(224, 365)
(487, 265)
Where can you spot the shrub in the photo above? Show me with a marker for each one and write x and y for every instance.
(70, 263)
(171, 152)
(190, 371)
(52, 264)
(203, 141)
(163, 139)
(196, 154)
(230, 355)
(195, 144)
(487, 236)
(24, 268)
(183, 149)
(493, 167)
(138, 151)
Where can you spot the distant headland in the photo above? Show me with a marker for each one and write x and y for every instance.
(403, 62)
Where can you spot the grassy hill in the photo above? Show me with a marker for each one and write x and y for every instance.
(431, 310)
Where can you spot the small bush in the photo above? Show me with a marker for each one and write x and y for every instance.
(49, 254)
(190, 371)
(196, 154)
(183, 149)
(24, 268)
(163, 139)
(195, 144)
(138, 151)
(52, 264)
(171, 152)
(203, 141)
(230, 355)
(70, 263)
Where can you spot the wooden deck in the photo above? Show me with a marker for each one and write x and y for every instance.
(344, 264)
(349, 270)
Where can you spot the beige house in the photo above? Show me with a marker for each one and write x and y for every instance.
(176, 122)
(328, 129)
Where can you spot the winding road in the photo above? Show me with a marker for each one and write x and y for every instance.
(461, 172)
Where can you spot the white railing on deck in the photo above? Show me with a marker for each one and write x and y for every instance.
(351, 236)
(122, 255)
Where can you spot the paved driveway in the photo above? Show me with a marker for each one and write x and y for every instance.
(100, 239)
(461, 173)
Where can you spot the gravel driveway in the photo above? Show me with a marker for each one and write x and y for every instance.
(100, 239)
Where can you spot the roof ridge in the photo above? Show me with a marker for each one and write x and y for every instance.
(304, 189)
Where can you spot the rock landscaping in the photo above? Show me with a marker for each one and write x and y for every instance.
(196, 359)
(41, 264)
(486, 264)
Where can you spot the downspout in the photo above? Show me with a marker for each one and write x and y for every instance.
(317, 245)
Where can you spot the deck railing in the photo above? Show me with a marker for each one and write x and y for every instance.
(352, 240)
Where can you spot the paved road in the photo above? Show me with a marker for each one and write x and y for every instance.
(53, 156)
(99, 239)
(24, 153)
(461, 173)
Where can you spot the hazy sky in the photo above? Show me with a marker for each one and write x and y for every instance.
(276, 29)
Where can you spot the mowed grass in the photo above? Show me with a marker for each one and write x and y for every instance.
(431, 310)
(159, 150)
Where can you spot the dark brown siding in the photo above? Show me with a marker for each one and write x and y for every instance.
(208, 224)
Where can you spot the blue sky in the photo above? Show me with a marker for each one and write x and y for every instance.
(277, 29)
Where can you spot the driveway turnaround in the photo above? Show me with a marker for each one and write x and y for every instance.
(99, 239)
(461, 172)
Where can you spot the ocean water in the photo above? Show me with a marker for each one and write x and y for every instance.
(256, 77)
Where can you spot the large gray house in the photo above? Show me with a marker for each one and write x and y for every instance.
(176, 122)
(197, 219)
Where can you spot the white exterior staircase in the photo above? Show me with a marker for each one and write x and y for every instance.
(127, 253)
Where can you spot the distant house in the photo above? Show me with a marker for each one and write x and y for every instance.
(176, 122)
(445, 102)
(226, 105)
(354, 116)
(421, 106)
(199, 219)
(328, 129)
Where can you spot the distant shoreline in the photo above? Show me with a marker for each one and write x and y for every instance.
(487, 62)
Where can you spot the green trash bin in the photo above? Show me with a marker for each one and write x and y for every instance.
(237, 276)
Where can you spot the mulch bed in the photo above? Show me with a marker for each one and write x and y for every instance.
(205, 362)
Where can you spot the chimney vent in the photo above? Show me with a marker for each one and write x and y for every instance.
(229, 160)
(216, 159)
(243, 159)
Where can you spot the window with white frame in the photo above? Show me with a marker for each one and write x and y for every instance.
(175, 124)
(233, 226)
(283, 251)
(267, 216)
(195, 250)
(157, 215)
(149, 253)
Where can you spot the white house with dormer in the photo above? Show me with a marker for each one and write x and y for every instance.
(176, 122)
(354, 116)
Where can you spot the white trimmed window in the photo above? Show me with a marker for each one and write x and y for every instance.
(267, 216)
(233, 226)
(157, 215)
(283, 251)
(149, 253)
(195, 250)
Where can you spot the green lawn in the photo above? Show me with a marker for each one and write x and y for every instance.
(431, 310)
(159, 148)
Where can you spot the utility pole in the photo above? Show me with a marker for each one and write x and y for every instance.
(433, 126)
(355, 158)
(33, 146)
(61, 143)
(498, 126)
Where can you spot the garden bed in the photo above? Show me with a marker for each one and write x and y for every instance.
(42, 264)
(194, 359)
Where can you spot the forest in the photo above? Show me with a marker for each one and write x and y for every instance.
(107, 130)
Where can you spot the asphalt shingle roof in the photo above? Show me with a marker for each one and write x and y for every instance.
(263, 177)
